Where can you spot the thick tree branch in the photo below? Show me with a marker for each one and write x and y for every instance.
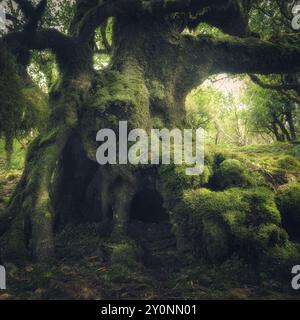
(96, 15)
(231, 17)
(40, 40)
(204, 56)
(247, 55)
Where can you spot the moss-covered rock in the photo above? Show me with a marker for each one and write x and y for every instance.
(214, 225)
(262, 206)
(288, 200)
(230, 173)
(173, 181)
(271, 235)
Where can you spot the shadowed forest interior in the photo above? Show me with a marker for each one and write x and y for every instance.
(71, 228)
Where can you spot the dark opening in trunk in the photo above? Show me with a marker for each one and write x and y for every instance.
(147, 207)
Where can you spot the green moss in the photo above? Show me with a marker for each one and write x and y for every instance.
(126, 254)
(174, 180)
(232, 173)
(200, 224)
(219, 157)
(262, 206)
(276, 148)
(157, 90)
(125, 261)
(288, 163)
(35, 108)
(296, 151)
(123, 96)
(117, 97)
(271, 235)
(273, 164)
(214, 225)
(23, 108)
(215, 240)
(288, 200)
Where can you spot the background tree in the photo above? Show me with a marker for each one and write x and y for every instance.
(23, 107)
(271, 113)
(268, 19)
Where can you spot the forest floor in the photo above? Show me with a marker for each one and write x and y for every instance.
(82, 270)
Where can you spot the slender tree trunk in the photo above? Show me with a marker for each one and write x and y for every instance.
(284, 131)
(276, 132)
(290, 120)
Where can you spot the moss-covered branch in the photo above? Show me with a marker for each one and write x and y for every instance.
(280, 55)
(242, 55)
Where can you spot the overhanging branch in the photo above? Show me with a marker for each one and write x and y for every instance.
(252, 55)
(40, 40)
(98, 14)
(204, 56)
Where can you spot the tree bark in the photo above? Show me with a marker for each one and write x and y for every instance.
(29, 218)
(290, 121)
